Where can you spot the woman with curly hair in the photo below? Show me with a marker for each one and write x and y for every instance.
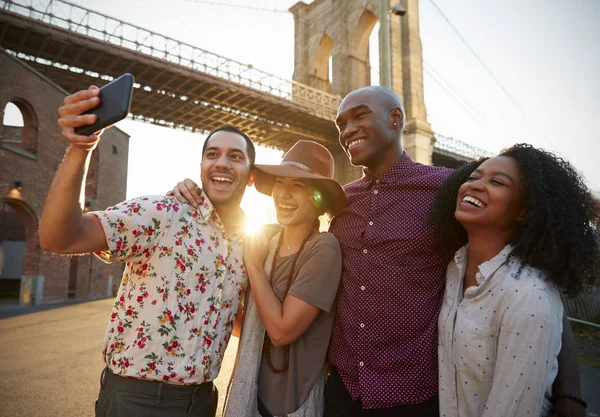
(528, 225)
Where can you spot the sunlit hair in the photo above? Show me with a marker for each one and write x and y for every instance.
(559, 232)
(324, 206)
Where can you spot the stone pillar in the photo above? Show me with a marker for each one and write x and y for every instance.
(348, 24)
(345, 172)
(300, 42)
(418, 137)
(418, 141)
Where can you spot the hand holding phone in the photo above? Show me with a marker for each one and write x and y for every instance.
(115, 100)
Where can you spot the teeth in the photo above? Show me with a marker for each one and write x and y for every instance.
(225, 179)
(473, 200)
(353, 143)
(286, 207)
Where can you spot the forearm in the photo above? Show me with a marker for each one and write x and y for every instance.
(567, 380)
(270, 308)
(61, 220)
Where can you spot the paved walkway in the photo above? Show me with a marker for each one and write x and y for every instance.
(50, 361)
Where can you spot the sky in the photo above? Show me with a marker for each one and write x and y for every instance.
(538, 82)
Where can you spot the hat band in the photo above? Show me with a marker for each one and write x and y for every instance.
(302, 167)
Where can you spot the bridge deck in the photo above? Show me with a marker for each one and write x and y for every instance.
(177, 85)
(176, 94)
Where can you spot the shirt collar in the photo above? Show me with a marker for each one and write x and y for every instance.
(207, 211)
(392, 174)
(486, 269)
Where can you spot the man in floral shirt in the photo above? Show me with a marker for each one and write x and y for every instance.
(183, 279)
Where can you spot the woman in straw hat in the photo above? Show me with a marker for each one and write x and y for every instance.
(289, 312)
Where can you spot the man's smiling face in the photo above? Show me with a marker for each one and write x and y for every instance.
(225, 168)
(366, 130)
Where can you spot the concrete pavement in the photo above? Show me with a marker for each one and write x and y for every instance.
(50, 361)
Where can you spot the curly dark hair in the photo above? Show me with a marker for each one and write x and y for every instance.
(559, 233)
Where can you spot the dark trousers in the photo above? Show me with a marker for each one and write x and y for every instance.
(127, 397)
(339, 403)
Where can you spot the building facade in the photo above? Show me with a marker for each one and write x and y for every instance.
(30, 154)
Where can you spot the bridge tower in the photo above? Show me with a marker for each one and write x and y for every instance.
(340, 30)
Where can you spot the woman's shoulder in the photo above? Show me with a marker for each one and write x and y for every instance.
(326, 239)
(323, 245)
(526, 282)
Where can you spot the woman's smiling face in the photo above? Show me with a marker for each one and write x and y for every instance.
(292, 197)
(491, 197)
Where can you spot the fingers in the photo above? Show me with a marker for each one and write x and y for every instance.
(76, 121)
(82, 95)
(190, 190)
(177, 194)
(85, 142)
(71, 116)
(79, 102)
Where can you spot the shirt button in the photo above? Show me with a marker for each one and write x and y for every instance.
(370, 223)
(361, 363)
(375, 192)
(362, 325)
(364, 251)
(377, 180)
(362, 287)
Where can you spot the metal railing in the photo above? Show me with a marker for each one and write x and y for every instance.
(71, 17)
(457, 147)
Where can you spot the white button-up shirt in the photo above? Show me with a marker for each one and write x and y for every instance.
(498, 342)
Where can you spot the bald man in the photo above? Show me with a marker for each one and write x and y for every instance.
(383, 349)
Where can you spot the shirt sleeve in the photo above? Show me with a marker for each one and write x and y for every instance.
(528, 345)
(133, 228)
(319, 273)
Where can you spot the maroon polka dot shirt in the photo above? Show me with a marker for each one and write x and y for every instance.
(384, 341)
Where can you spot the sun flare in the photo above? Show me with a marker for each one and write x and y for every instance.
(259, 210)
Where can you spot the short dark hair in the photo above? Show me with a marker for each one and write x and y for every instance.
(228, 128)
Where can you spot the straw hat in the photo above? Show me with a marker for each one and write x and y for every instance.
(306, 159)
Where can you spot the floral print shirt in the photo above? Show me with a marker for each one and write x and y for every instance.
(179, 295)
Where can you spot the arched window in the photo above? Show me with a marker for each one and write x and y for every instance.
(361, 44)
(20, 126)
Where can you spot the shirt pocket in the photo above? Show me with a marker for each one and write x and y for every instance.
(474, 349)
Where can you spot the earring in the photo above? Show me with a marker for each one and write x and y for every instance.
(395, 124)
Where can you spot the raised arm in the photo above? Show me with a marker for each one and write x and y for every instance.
(284, 322)
(313, 290)
(63, 226)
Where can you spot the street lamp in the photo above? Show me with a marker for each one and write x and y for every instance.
(385, 58)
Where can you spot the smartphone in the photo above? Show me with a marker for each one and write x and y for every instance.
(115, 100)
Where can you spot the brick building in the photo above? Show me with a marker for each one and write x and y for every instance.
(29, 157)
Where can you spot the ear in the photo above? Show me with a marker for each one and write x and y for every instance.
(396, 117)
(252, 177)
(521, 216)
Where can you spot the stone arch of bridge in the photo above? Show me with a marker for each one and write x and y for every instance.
(320, 64)
(360, 65)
